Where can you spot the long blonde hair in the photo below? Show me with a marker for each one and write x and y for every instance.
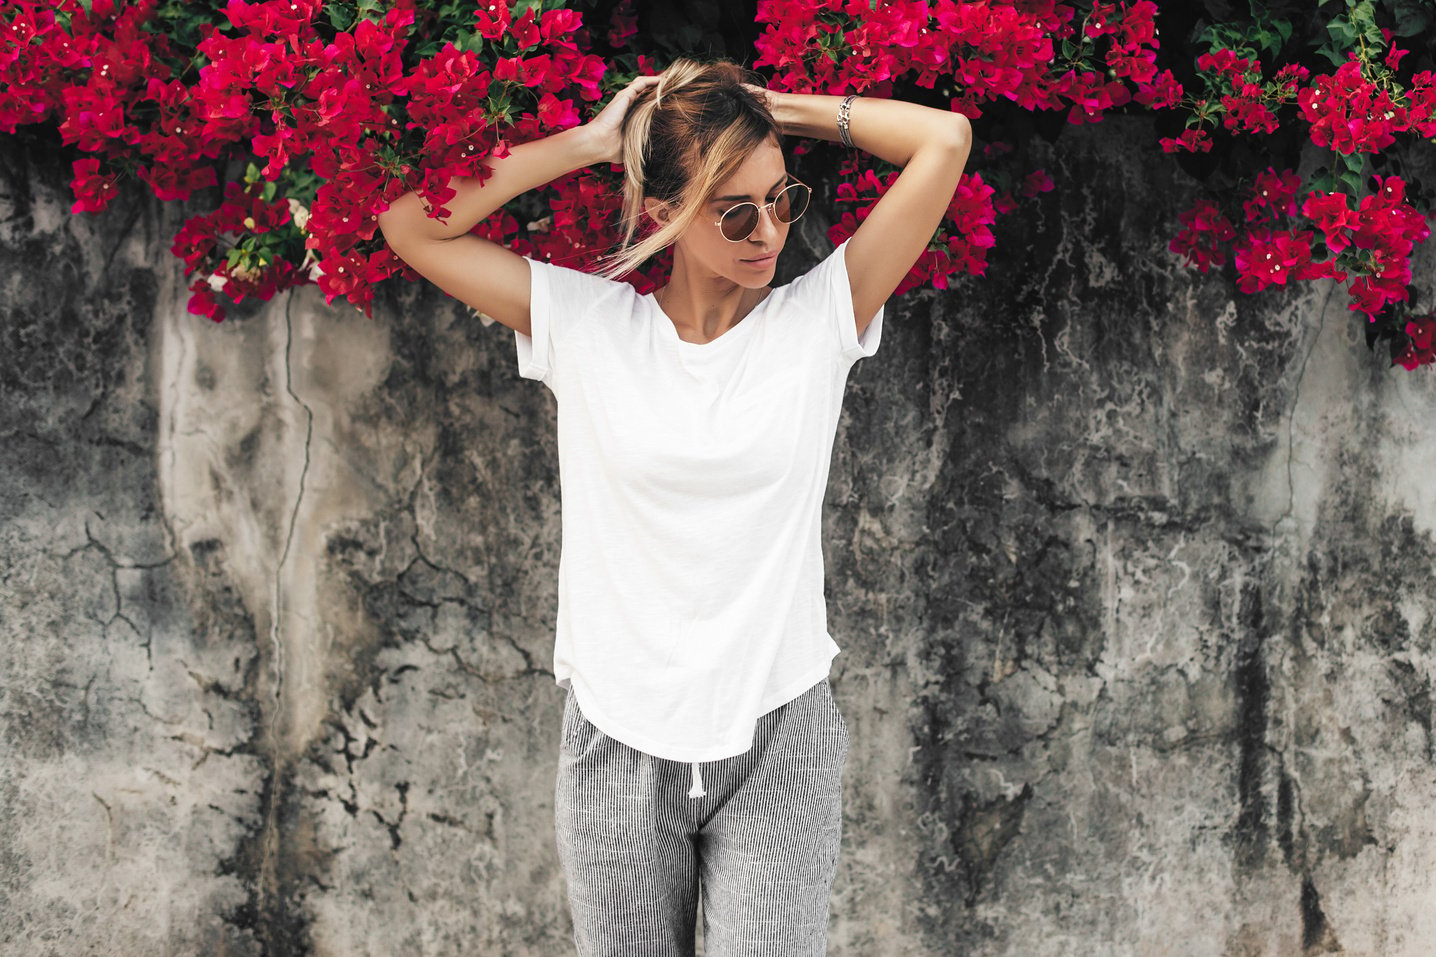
(681, 139)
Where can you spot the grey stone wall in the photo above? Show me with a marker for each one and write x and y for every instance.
(1130, 572)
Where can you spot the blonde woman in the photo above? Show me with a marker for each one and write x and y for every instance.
(702, 752)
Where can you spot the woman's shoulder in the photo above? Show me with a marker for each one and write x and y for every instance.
(581, 289)
(820, 280)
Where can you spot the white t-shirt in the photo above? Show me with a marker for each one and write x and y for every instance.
(690, 587)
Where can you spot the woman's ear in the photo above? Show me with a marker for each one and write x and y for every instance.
(657, 210)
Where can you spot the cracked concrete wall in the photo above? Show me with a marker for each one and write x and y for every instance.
(1130, 573)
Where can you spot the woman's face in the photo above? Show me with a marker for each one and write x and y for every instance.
(749, 262)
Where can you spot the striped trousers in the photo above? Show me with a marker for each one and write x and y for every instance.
(760, 846)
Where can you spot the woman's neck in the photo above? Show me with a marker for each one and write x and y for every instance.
(702, 308)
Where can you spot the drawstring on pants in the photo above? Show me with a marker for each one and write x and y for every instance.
(696, 791)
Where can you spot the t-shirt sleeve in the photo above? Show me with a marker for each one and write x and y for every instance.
(828, 289)
(559, 297)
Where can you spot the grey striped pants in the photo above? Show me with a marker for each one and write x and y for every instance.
(761, 845)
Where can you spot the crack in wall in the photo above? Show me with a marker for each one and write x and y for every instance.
(1291, 414)
(270, 849)
(277, 606)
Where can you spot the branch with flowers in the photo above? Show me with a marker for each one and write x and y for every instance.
(1349, 212)
(298, 120)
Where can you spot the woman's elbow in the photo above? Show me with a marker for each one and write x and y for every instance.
(957, 133)
(393, 221)
(401, 225)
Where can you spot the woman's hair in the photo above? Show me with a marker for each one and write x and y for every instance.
(682, 138)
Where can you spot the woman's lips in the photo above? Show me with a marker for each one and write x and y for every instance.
(765, 260)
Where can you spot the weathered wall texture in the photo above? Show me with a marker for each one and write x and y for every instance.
(1131, 573)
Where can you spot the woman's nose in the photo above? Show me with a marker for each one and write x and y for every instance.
(768, 225)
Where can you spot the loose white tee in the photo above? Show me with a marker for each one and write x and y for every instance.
(690, 584)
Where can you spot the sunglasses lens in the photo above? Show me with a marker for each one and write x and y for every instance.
(739, 222)
(791, 202)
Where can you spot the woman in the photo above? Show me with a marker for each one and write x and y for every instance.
(702, 751)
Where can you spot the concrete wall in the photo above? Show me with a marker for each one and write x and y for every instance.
(1130, 572)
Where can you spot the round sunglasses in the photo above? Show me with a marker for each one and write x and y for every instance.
(738, 222)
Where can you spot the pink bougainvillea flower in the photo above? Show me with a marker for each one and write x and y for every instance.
(1267, 257)
(1036, 182)
(492, 18)
(1227, 64)
(1194, 140)
(1420, 343)
(1349, 113)
(1246, 110)
(93, 190)
(1332, 215)
(622, 25)
(1162, 92)
(1273, 194)
(1201, 242)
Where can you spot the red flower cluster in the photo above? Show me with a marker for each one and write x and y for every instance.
(334, 109)
(1350, 114)
(355, 109)
(1194, 140)
(961, 241)
(1204, 235)
(1373, 242)
(1386, 230)
(992, 50)
(1273, 195)
(1248, 100)
(1420, 343)
(256, 271)
(110, 83)
(1269, 257)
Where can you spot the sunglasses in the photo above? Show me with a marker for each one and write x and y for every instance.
(738, 222)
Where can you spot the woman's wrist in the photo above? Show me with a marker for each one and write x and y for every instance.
(812, 116)
(582, 146)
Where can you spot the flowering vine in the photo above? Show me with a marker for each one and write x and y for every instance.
(1361, 106)
(302, 119)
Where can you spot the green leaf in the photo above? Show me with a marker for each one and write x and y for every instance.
(1337, 57)
(1342, 32)
(340, 17)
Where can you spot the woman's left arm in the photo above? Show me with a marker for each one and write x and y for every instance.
(930, 145)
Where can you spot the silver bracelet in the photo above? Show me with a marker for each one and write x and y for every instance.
(845, 110)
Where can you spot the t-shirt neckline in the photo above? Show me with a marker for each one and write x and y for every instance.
(729, 333)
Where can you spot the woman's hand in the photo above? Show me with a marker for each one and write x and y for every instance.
(606, 129)
(769, 98)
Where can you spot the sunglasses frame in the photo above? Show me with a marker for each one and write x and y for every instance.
(760, 207)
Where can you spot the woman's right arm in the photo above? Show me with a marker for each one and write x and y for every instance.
(483, 274)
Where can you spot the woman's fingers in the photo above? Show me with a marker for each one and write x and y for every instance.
(608, 124)
(639, 84)
(624, 98)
